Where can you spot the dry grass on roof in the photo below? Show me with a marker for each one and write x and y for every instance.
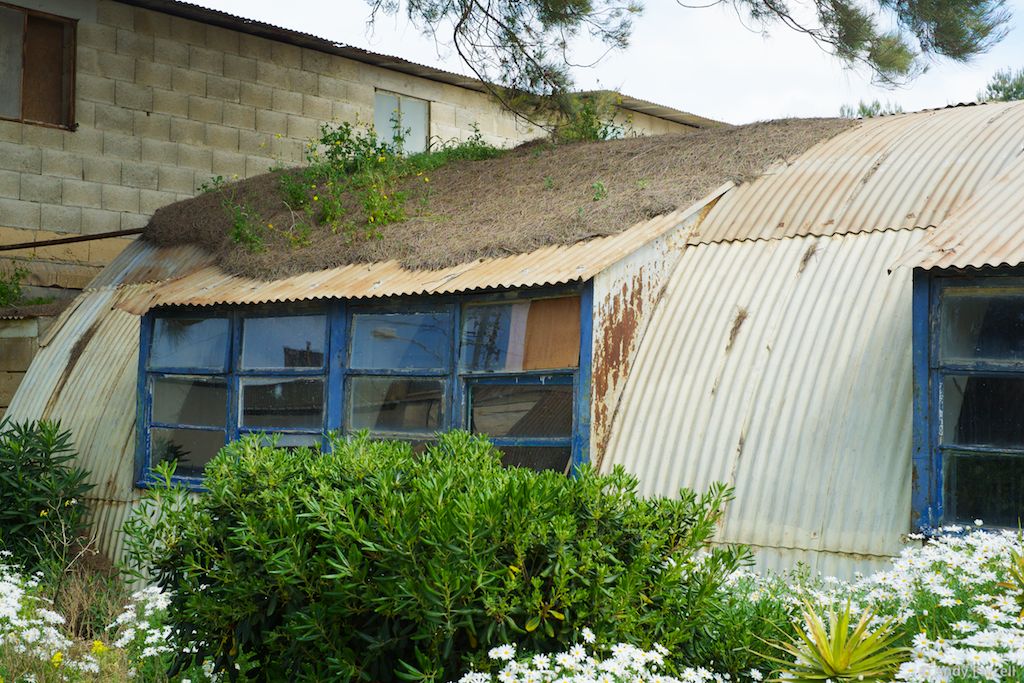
(534, 196)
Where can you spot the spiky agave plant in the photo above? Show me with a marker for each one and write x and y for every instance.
(1016, 582)
(834, 652)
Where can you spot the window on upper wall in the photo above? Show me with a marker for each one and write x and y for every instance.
(398, 116)
(407, 370)
(975, 399)
(37, 72)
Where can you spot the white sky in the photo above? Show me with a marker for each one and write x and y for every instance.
(699, 60)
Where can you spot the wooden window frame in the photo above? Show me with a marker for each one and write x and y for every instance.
(69, 66)
(337, 370)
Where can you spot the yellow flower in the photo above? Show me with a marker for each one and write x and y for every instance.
(98, 647)
(43, 513)
(426, 180)
(316, 198)
(371, 219)
(57, 659)
(380, 159)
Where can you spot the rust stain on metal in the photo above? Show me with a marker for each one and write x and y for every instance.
(616, 340)
(806, 258)
(76, 352)
(737, 323)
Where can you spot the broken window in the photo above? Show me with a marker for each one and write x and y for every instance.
(507, 368)
(976, 377)
(518, 361)
(37, 70)
(402, 119)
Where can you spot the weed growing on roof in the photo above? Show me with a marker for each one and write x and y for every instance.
(350, 185)
(600, 191)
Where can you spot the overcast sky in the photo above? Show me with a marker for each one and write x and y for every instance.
(699, 60)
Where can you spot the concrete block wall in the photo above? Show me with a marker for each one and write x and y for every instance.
(19, 341)
(164, 104)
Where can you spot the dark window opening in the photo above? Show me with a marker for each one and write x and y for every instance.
(37, 67)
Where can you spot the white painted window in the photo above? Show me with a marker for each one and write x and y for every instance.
(397, 115)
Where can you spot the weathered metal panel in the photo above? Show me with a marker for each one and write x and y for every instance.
(988, 231)
(142, 262)
(892, 172)
(547, 266)
(782, 367)
(625, 295)
(86, 379)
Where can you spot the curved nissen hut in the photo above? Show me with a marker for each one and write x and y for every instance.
(838, 339)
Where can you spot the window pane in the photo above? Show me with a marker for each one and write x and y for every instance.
(189, 343)
(985, 411)
(537, 458)
(397, 405)
(12, 28)
(190, 400)
(985, 487)
(415, 124)
(401, 341)
(286, 342)
(46, 74)
(292, 440)
(282, 403)
(526, 335)
(385, 107)
(190, 448)
(518, 410)
(982, 325)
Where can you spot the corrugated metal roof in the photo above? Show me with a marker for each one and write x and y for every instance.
(187, 10)
(893, 172)
(988, 231)
(782, 367)
(547, 266)
(142, 262)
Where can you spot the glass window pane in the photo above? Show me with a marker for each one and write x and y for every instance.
(292, 440)
(536, 457)
(190, 400)
(12, 29)
(415, 124)
(190, 448)
(985, 487)
(525, 335)
(396, 405)
(986, 411)
(287, 342)
(982, 325)
(189, 343)
(401, 341)
(385, 108)
(522, 410)
(282, 403)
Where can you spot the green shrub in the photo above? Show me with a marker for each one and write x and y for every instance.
(369, 562)
(41, 507)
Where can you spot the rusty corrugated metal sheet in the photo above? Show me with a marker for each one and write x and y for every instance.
(988, 231)
(782, 367)
(894, 172)
(547, 266)
(142, 262)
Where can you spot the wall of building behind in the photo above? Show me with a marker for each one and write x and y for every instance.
(164, 104)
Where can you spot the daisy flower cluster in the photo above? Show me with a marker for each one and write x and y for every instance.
(582, 663)
(27, 626)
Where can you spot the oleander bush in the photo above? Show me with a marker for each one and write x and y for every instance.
(41, 507)
(370, 562)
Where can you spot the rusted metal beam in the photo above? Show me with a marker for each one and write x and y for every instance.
(71, 240)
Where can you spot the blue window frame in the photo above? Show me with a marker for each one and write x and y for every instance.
(514, 365)
(969, 398)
